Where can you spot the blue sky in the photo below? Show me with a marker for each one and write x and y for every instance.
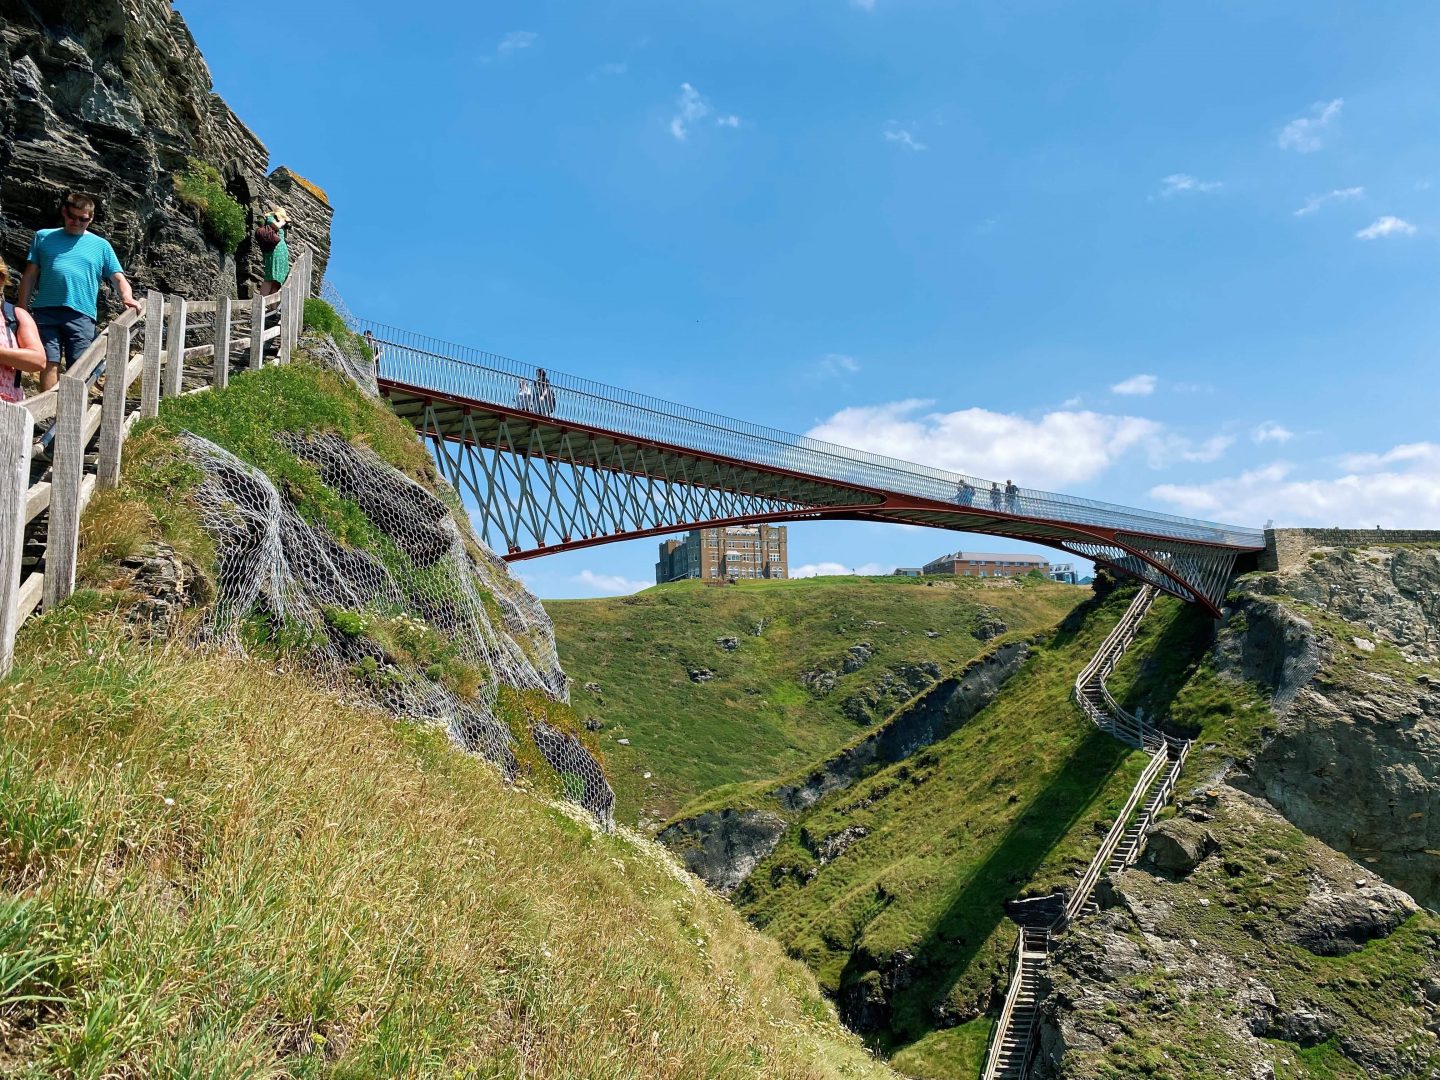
(1182, 257)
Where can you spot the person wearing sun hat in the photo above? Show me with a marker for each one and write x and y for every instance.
(277, 257)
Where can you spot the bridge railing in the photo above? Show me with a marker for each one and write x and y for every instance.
(463, 372)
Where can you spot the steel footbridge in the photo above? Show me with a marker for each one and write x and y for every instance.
(552, 462)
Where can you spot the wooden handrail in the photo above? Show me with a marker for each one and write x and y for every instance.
(1081, 896)
(1002, 1025)
(161, 368)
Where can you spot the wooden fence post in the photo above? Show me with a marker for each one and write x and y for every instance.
(150, 375)
(63, 539)
(16, 435)
(112, 409)
(175, 339)
(257, 332)
(222, 341)
(287, 320)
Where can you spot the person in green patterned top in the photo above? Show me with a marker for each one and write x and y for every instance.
(277, 259)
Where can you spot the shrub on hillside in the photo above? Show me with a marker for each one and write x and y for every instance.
(201, 187)
(324, 319)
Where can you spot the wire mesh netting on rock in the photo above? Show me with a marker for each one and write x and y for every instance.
(427, 622)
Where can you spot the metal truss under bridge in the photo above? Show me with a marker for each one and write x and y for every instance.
(578, 463)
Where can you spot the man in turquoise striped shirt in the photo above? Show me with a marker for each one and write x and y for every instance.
(61, 284)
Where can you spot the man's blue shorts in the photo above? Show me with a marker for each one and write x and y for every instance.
(65, 333)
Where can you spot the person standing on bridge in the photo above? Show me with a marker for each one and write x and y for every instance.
(61, 284)
(964, 493)
(994, 495)
(544, 394)
(1010, 492)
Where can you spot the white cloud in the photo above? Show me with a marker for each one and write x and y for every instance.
(516, 40)
(1212, 449)
(904, 138)
(1306, 133)
(1059, 448)
(836, 364)
(1386, 226)
(1181, 183)
(1314, 202)
(1136, 385)
(690, 109)
(831, 569)
(1270, 431)
(1399, 488)
(609, 584)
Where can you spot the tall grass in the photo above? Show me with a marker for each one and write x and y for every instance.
(210, 869)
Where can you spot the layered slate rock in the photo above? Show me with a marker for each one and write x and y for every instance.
(114, 99)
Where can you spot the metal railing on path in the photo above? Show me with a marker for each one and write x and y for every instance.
(177, 354)
(475, 375)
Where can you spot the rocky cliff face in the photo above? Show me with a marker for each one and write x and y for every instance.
(112, 97)
(1355, 758)
(1272, 928)
(722, 847)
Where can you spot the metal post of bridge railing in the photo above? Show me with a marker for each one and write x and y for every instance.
(150, 373)
(17, 434)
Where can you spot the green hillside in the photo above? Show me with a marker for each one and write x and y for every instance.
(906, 926)
(213, 866)
(754, 719)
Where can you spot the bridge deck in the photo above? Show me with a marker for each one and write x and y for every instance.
(490, 403)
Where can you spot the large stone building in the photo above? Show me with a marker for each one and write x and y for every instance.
(735, 551)
(987, 564)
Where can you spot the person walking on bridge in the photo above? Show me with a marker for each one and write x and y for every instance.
(60, 287)
(1011, 491)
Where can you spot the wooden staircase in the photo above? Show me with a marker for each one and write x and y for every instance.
(1012, 1043)
(1015, 1032)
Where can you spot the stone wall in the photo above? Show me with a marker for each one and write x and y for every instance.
(113, 98)
(1285, 548)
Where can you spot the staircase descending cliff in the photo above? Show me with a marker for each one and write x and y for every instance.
(1013, 1039)
(1090, 691)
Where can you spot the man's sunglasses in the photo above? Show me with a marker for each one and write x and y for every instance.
(75, 215)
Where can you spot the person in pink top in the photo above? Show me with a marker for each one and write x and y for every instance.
(20, 348)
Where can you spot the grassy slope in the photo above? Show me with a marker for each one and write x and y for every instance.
(1256, 889)
(1013, 802)
(210, 869)
(755, 721)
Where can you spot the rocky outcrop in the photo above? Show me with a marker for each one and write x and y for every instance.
(113, 99)
(164, 587)
(723, 846)
(1241, 936)
(1355, 757)
(931, 718)
(1208, 961)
